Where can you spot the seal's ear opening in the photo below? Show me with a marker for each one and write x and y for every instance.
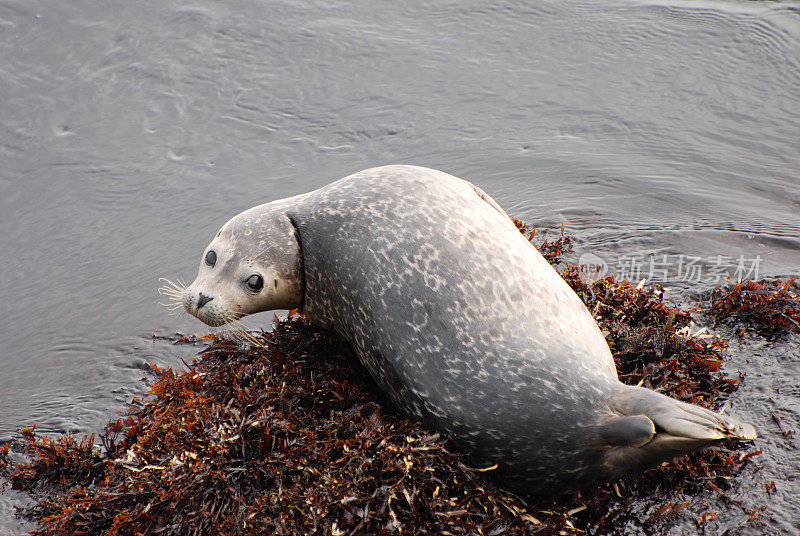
(301, 261)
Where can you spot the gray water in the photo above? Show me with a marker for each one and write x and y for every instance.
(130, 131)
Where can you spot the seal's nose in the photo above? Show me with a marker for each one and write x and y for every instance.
(202, 299)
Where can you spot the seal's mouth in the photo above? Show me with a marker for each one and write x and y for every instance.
(211, 318)
(197, 304)
(208, 310)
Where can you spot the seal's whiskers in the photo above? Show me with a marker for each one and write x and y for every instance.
(172, 306)
(174, 294)
(171, 287)
(240, 333)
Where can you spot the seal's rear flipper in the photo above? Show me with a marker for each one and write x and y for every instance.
(674, 427)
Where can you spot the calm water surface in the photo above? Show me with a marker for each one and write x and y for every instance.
(656, 132)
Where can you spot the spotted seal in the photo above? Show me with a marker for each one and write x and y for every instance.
(460, 321)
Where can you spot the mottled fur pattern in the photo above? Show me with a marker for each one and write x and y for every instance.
(461, 322)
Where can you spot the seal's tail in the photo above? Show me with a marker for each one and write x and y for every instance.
(650, 428)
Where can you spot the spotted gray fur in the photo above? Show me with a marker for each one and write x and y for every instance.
(461, 322)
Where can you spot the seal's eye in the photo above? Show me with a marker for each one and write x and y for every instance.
(255, 282)
(211, 257)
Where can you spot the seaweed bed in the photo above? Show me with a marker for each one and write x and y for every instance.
(287, 435)
(770, 307)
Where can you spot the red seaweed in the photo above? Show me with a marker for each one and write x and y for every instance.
(290, 436)
(769, 307)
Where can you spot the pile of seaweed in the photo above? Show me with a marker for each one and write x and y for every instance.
(770, 307)
(288, 435)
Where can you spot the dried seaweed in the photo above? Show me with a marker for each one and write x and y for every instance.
(291, 436)
(286, 439)
(770, 307)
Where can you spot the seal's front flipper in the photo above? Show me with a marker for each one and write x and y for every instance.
(677, 428)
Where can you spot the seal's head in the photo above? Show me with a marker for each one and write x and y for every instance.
(254, 264)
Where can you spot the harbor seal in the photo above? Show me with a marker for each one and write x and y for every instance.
(460, 321)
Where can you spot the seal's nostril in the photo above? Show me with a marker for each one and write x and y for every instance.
(202, 299)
